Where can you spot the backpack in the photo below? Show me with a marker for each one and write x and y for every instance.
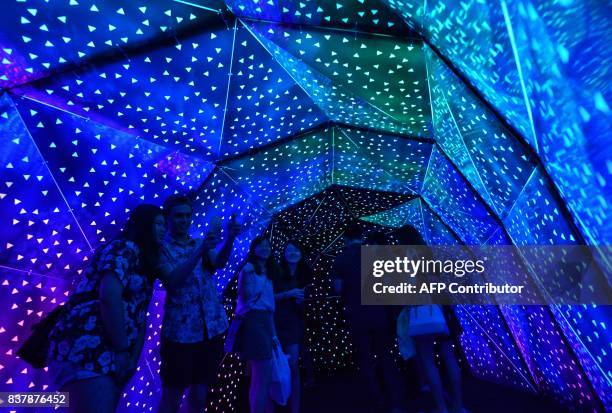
(35, 348)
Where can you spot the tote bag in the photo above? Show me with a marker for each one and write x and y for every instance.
(426, 320)
(280, 387)
(404, 341)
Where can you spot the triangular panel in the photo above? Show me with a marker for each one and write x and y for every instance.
(39, 232)
(371, 16)
(37, 38)
(448, 193)
(173, 95)
(486, 153)
(378, 161)
(345, 76)
(405, 214)
(102, 172)
(282, 175)
(264, 103)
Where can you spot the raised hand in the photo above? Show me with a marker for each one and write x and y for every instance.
(211, 240)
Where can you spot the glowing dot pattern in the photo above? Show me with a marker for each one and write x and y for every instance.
(349, 77)
(266, 103)
(339, 113)
(446, 190)
(541, 65)
(387, 163)
(374, 16)
(104, 172)
(485, 152)
(285, 174)
(39, 232)
(173, 96)
(38, 37)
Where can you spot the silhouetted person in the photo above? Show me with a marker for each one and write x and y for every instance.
(194, 318)
(95, 346)
(372, 327)
(424, 344)
(289, 285)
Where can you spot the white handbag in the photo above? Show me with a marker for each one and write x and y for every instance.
(404, 341)
(426, 320)
(280, 387)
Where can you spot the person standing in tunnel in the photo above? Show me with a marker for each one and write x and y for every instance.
(372, 327)
(425, 344)
(255, 337)
(96, 343)
(289, 283)
(194, 318)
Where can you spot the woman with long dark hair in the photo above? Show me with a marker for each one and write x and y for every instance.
(256, 336)
(95, 347)
(289, 283)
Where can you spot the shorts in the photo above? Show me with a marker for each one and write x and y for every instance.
(64, 372)
(186, 364)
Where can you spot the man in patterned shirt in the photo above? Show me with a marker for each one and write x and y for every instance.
(194, 317)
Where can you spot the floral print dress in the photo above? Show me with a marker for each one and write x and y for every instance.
(79, 337)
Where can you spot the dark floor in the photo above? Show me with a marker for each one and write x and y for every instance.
(342, 394)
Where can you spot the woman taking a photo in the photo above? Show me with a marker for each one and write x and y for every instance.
(95, 346)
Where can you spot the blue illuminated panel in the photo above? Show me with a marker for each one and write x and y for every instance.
(489, 348)
(39, 232)
(285, 174)
(486, 153)
(447, 192)
(436, 231)
(174, 95)
(548, 357)
(103, 172)
(372, 16)
(37, 37)
(587, 333)
(264, 102)
(566, 73)
(545, 67)
(408, 213)
(383, 162)
(347, 77)
(535, 218)
(473, 35)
